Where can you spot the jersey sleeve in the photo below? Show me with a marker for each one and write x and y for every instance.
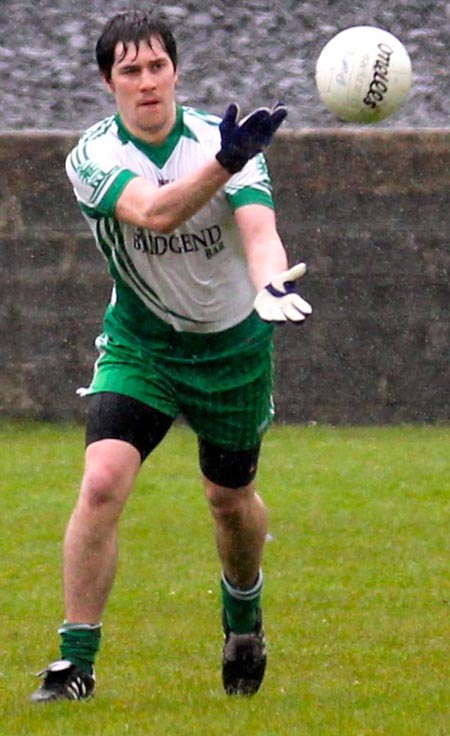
(252, 185)
(98, 178)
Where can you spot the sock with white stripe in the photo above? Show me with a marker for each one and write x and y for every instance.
(241, 606)
(80, 644)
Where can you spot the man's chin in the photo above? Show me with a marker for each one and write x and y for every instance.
(149, 121)
(152, 127)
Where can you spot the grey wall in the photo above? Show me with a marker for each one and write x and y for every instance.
(368, 211)
(370, 214)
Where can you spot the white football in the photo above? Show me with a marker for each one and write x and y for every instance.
(363, 74)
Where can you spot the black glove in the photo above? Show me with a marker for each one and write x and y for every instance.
(243, 140)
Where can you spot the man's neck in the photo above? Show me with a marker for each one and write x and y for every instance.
(153, 136)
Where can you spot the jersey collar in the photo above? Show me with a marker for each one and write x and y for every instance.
(158, 154)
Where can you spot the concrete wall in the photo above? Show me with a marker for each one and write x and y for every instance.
(369, 211)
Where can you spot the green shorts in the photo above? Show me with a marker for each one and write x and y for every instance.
(220, 383)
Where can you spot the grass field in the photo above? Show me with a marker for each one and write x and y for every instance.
(357, 596)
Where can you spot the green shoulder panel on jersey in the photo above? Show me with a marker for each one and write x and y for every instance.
(96, 131)
(79, 156)
(106, 186)
(260, 192)
(251, 195)
(104, 203)
(207, 117)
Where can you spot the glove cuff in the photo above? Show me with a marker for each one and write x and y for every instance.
(289, 287)
(231, 163)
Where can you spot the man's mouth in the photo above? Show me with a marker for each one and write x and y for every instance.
(149, 103)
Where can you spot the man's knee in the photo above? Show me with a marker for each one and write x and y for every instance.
(228, 503)
(110, 471)
(100, 486)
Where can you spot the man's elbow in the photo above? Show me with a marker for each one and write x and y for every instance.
(163, 224)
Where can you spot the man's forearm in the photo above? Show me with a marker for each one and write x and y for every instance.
(166, 208)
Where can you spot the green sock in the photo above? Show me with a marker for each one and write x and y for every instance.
(80, 643)
(241, 606)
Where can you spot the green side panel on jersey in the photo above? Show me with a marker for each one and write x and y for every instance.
(111, 242)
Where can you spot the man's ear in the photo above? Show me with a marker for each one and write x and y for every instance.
(108, 82)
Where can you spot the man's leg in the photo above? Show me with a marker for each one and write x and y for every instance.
(120, 433)
(90, 559)
(240, 526)
(240, 521)
(90, 545)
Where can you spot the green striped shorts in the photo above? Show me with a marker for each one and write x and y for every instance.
(221, 383)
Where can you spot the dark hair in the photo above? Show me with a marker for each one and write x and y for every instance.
(133, 26)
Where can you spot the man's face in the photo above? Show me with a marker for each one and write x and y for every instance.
(143, 83)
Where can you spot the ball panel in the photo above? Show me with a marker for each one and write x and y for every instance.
(363, 74)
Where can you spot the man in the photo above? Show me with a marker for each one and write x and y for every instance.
(180, 204)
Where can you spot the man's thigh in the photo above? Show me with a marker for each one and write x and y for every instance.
(117, 416)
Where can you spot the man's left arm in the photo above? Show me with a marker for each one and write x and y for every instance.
(277, 299)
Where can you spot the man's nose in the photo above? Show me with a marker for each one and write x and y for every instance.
(147, 80)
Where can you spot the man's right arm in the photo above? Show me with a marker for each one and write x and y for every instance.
(163, 209)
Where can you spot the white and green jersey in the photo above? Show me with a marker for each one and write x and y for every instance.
(194, 279)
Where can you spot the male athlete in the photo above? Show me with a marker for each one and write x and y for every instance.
(179, 202)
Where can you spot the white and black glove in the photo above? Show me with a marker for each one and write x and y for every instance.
(279, 301)
(243, 139)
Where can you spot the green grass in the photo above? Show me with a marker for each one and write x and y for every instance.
(357, 596)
